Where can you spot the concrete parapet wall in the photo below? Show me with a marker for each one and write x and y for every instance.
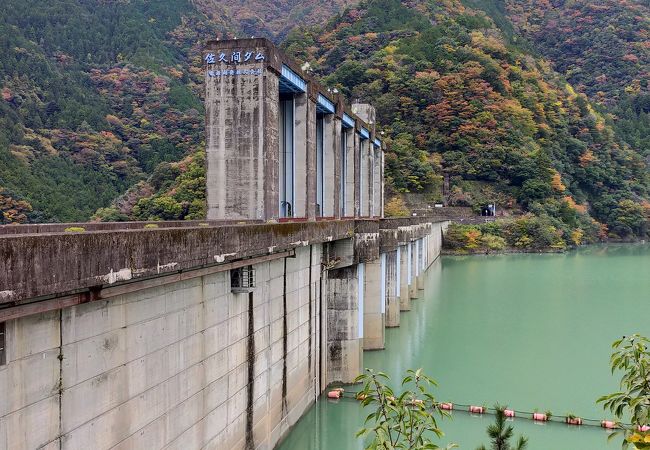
(34, 265)
(42, 228)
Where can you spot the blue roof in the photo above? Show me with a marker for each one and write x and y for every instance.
(348, 122)
(290, 81)
(364, 133)
(324, 105)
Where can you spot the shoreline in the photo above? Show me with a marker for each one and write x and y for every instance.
(515, 251)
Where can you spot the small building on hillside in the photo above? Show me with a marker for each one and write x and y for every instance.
(280, 145)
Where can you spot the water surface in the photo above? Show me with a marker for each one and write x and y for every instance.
(529, 331)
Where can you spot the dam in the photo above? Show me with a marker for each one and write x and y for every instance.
(218, 333)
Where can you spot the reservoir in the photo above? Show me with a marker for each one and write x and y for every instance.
(533, 332)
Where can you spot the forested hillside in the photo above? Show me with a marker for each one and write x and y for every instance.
(603, 49)
(458, 98)
(602, 46)
(94, 96)
(101, 109)
(275, 19)
(101, 103)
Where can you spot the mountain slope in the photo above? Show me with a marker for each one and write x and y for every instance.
(459, 100)
(603, 48)
(274, 19)
(94, 96)
(101, 100)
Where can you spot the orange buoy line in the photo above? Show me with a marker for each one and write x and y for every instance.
(338, 393)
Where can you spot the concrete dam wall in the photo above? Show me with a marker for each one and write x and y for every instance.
(148, 344)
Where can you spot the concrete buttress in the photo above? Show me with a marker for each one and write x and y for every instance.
(420, 263)
(392, 290)
(373, 307)
(404, 296)
(344, 324)
(413, 284)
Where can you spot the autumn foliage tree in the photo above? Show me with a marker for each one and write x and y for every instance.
(13, 211)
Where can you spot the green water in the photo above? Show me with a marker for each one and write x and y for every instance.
(529, 331)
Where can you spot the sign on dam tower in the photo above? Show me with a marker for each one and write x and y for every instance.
(279, 145)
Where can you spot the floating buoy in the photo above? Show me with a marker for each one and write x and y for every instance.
(447, 406)
(416, 402)
(508, 413)
(609, 424)
(643, 428)
(540, 417)
(335, 394)
(477, 409)
(574, 420)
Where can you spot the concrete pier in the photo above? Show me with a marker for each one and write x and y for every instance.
(414, 269)
(345, 323)
(391, 289)
(420, 262)
(374, 307)
(404, 271)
